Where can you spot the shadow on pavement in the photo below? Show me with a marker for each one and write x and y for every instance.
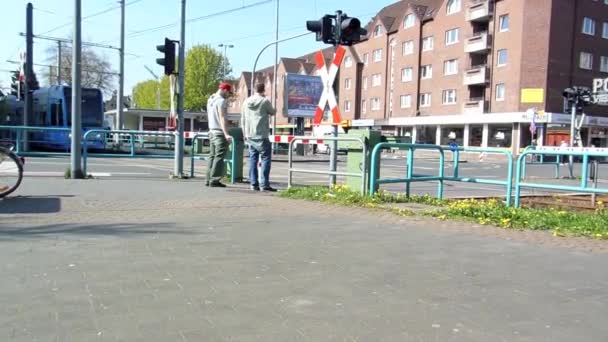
(31, 204)
(93, 229)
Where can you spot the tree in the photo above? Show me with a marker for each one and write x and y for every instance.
(204, 71)
(96, 69)
(144, 94)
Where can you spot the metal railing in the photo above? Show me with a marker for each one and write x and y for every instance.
(375, 181)
(193, 156)
(584, 186)
(360, 140)
(133, 137)
(410, 177)
(22, 136)
(541, 161)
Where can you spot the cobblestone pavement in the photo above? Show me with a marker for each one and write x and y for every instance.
(152, 260)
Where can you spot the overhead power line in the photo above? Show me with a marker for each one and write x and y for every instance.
(96, 14)
(192, 20)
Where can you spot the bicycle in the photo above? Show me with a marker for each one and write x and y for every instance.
(11, 171)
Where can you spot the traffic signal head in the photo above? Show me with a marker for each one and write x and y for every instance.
(324, 28)
(168, 49)
(351, 30)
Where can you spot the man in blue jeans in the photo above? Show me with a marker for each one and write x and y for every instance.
(256, 112)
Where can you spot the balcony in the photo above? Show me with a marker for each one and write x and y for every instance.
(479, 43)
(477, 75)
(474, 106)
(479, 10)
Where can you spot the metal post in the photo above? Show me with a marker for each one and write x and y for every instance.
(596, 170)
(29, 72)
(274, 83)
(333, 159)
(75, 159)
(59, 57)
(179, 141)
(572, 124)
(121, 78)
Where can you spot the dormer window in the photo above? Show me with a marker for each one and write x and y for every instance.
(378, 31)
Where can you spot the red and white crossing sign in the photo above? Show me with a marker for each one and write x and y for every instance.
(328, 77)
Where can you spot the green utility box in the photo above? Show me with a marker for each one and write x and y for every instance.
(239, 143)
(354, 160)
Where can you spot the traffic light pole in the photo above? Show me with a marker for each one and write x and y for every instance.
(179, 141)
(572, 131)
(333, 158)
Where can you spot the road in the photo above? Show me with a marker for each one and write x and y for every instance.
(391, 167)
(148, 259)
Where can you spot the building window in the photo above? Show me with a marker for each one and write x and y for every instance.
(363, 106)
(425, 100)
(604, 64)
(366, 58)
(377, 55)
(407, 74)
(348, 61)
(449, 96)
(453, 6)
(376, 80)
(451, 36)
(347, 83)
(589, 26)
(409, 21)
(586, 61)
(406, 101)
(375, 103)
(450, 67)
(500, 92)
(427, 43)
(378, 31)
(426, 71)
(365, 82)
(347, 106)
(503, 23)
(605, 31)
(408, 47)
(501, 60)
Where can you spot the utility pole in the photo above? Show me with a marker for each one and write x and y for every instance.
(179, 142)
(29, 66)
(572, 130)
(274, 83)
(59, 63)
(121, 78)
(75, 159)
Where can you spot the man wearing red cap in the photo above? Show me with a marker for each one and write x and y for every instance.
(219, 138)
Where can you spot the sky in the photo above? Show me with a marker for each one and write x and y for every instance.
(246, 24)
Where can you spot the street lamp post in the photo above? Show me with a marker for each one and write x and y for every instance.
(225, 46)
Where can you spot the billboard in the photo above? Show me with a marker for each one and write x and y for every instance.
(302, 95)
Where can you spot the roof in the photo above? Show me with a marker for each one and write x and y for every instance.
(392, 15)
(292, 65)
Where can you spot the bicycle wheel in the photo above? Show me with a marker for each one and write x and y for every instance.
(11, 172)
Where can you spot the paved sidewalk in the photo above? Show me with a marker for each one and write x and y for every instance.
(151, 260)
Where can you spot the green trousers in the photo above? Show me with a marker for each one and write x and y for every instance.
(218, 149)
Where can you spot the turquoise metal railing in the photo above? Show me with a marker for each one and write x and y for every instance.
(410, 177)
(540, 162)
(440, 177)
(584, 187)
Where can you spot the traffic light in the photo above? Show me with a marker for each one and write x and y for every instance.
(324, 28)
(580, 96)
(168, 49)
(17, 86)
(351, 30)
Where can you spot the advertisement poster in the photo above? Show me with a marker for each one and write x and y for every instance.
(302, 95)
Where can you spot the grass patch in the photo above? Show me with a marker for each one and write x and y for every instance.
(485, 212)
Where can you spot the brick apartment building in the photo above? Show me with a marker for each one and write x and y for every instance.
(437, 68)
